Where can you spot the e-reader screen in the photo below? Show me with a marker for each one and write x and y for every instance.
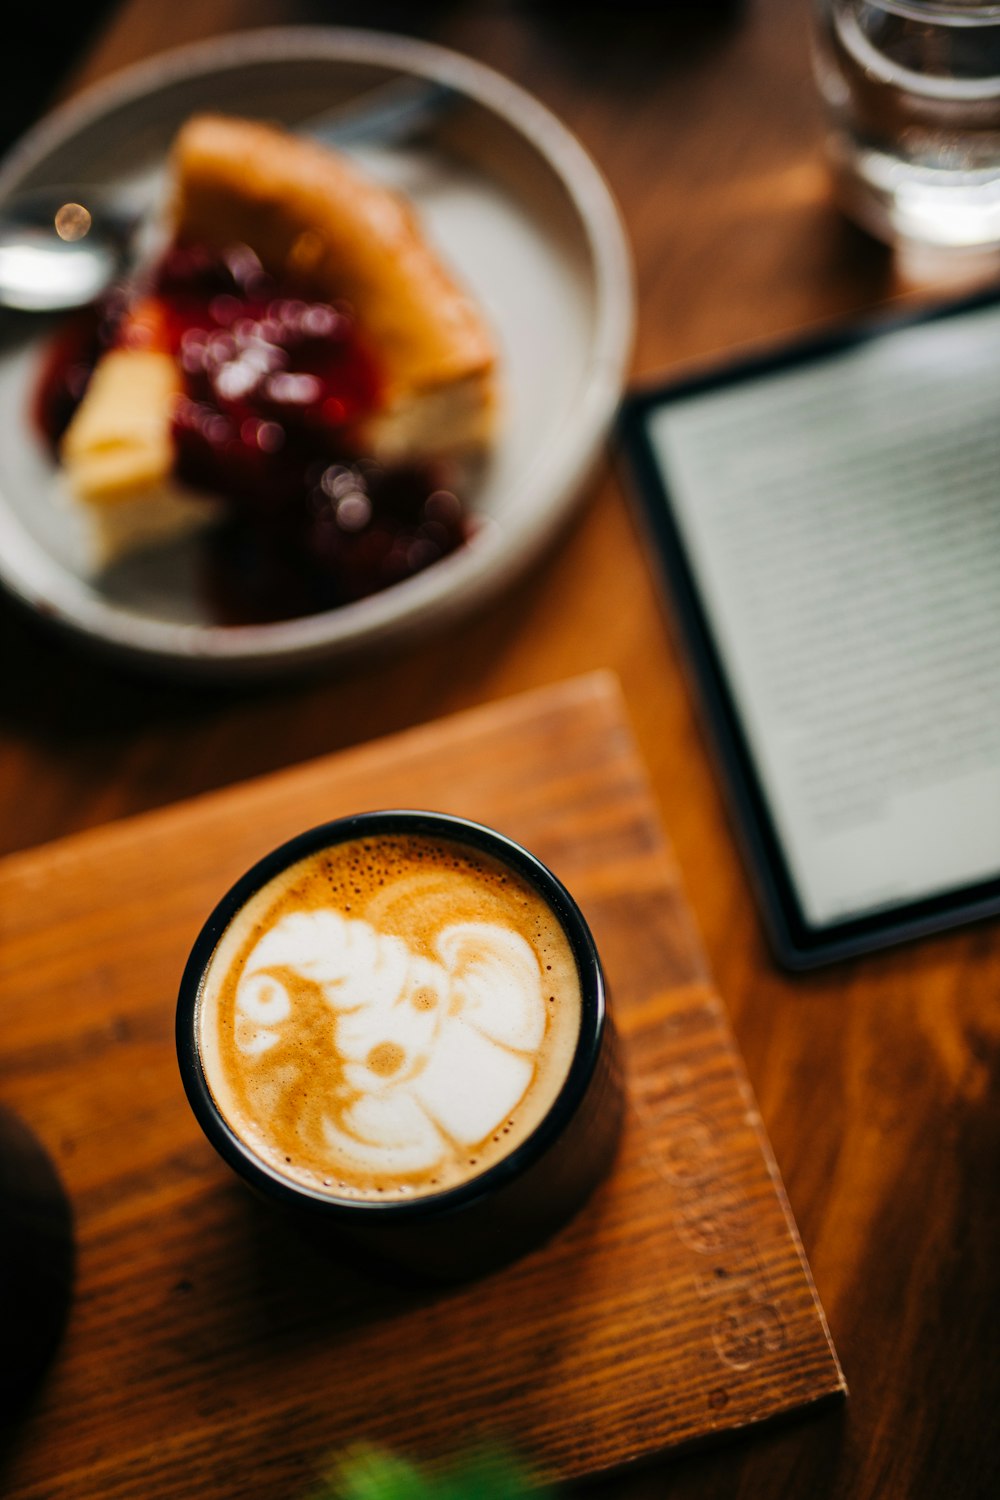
(836, 515)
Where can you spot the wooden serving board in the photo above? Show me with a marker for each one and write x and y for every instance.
(210, 1350)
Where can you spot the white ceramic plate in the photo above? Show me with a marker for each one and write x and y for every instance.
(520, 212)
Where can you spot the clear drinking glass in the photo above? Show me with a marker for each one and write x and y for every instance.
(912, 96)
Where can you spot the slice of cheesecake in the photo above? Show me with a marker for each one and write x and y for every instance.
(322, 231)
(315, 220)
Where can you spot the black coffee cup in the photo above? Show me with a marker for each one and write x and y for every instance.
(512, 1204)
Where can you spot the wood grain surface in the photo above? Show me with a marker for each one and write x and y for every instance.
(213, 1351)
(879, 1080)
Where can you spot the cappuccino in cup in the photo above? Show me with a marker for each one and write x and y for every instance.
(389, 1017)
(395, 1022)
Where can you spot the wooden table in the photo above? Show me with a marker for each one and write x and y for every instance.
(877, 1080)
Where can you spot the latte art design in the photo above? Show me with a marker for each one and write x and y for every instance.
(429, 1054)
(389, 1017)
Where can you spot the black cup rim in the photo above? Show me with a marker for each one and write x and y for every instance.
(593, 1019)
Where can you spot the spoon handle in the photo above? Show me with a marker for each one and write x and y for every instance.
(387, 114)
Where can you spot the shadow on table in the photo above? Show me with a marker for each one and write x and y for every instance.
(801, 1452)
(636, 41)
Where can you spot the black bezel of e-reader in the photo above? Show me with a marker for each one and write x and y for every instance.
(797, 943)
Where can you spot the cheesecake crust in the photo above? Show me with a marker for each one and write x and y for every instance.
(313, 219)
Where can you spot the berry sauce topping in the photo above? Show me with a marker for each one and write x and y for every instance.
(274, 385)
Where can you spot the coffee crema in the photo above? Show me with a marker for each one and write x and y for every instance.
(389, 1017)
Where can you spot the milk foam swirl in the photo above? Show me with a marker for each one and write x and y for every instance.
(389, 1017)
(432, 1053)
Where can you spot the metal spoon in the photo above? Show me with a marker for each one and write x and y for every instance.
(62, 247)
(56, 253)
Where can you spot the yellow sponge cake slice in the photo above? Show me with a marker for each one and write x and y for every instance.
(117, 458)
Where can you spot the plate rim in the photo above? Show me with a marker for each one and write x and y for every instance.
(457, 584)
